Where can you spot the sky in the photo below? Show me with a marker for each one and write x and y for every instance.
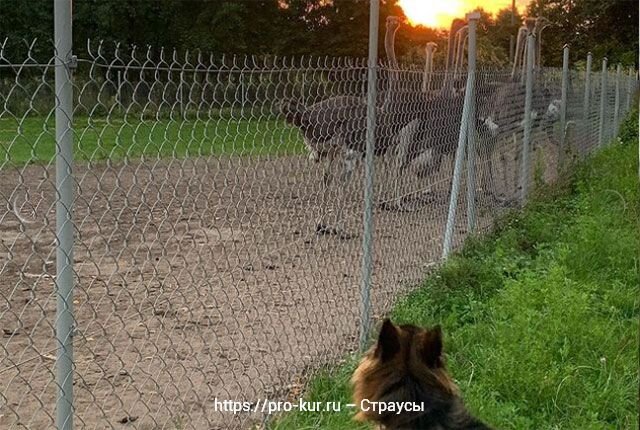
(440, 13)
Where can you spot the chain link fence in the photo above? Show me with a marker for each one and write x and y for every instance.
(217, 215)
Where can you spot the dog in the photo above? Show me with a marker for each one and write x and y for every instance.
(402, 383)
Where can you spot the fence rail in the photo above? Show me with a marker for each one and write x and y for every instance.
(217, 215)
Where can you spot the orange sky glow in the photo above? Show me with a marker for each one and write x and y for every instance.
(440, 13)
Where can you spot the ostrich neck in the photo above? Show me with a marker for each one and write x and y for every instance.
(455, 26)
(519, 51)
(462, 39)
(389, 44)
(451, 48)
(428, 67)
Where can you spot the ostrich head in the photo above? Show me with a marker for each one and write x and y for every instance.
(540, 24)
(393, 22)
(292, 110)
(431, 47)
(530, 23)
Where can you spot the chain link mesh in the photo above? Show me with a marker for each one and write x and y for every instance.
(218, 214)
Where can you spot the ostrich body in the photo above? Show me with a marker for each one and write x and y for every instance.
(321, 123)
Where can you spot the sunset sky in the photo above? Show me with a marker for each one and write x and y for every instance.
(440, 13)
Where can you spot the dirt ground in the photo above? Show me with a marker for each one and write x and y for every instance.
(196, 280)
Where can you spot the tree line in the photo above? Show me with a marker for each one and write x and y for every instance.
(316, 27)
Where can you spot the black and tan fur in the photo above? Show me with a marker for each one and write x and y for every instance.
(406, 365)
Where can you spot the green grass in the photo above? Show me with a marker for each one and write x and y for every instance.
(540, 318)
(32, 140)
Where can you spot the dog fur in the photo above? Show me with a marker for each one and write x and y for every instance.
(407, 365)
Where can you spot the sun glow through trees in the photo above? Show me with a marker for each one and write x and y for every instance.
(440, 13)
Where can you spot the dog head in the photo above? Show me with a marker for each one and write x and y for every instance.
(405, 365)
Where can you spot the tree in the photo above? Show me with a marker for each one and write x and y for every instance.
(604, 27)
(313, 27)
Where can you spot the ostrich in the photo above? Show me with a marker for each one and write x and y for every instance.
(498, 117)
(432, 119)
(426, 139)
(408, 125)
(323, 126)
(335, 128)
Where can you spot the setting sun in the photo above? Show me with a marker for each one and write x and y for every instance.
(439, 14)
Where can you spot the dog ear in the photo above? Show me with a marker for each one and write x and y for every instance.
(388, 342)
(432, 347)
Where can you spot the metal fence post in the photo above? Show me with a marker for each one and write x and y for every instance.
(471, 132)
(473, 18)
(64, 224)
(587, 87)
(563, 108)
(603, 96)
(526, 141)
(242, 98)
(302, 96)
(629, 88)
(367, 236)
(119, 91)
(616, 108)
(181, 94)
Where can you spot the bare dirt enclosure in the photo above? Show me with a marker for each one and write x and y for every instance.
(196, 279)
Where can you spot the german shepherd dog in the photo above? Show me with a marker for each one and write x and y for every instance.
(402, 383)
